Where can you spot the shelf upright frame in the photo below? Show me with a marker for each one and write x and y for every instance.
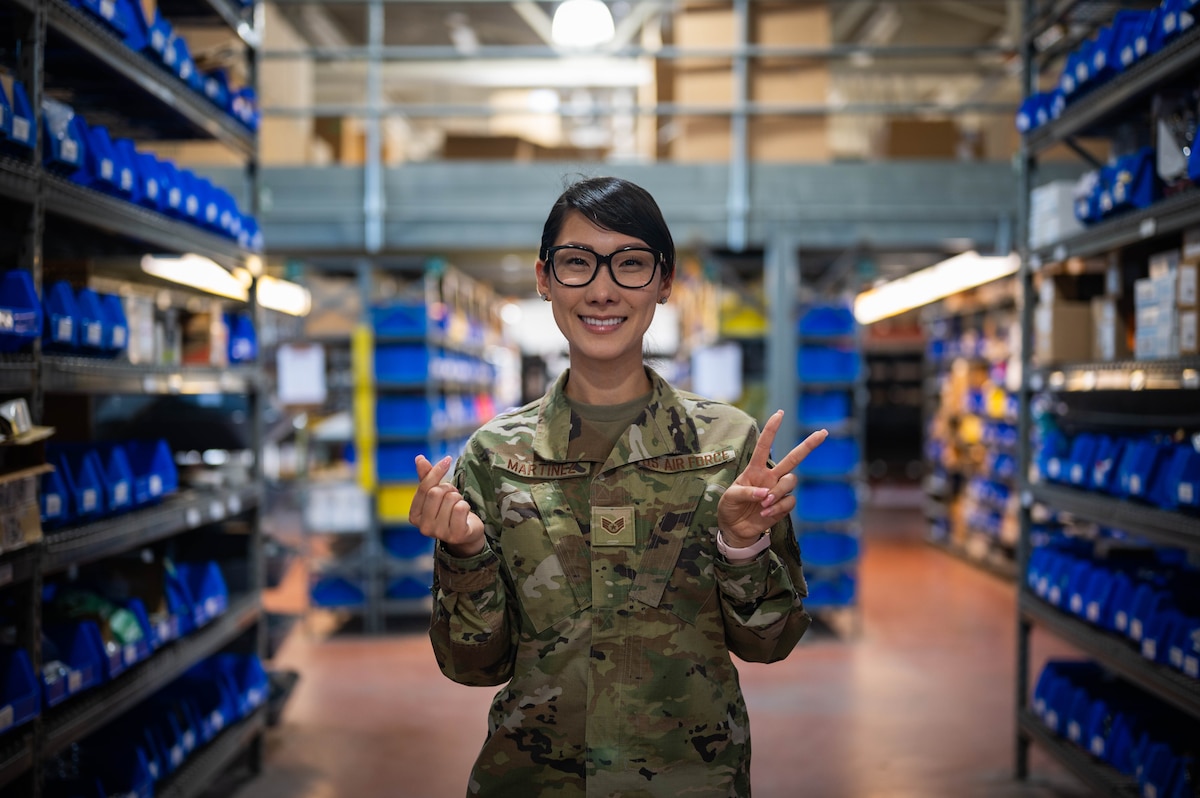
(1026, 165)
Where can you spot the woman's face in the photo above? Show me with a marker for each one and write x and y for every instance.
(603, 322)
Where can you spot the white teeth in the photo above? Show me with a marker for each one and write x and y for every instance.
(601, 322)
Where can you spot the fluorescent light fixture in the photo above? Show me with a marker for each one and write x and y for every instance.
(582, 23)
(283, 296)
(196, 271)
(968, 270)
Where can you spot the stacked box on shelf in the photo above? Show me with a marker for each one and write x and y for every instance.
(829, 374)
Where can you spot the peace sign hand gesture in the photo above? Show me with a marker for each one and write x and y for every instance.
(762, 494)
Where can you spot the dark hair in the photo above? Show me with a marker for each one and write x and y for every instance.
(614, 204)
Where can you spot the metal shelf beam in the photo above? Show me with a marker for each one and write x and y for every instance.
(188, 510)
(64, 374)
(1124, 375)
(198, 773)
(1160, 526)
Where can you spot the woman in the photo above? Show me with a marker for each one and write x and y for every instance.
(603, 551)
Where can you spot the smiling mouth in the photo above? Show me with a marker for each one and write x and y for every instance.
(602, 324)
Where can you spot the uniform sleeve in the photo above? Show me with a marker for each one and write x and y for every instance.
(471, 629)
(762, 599)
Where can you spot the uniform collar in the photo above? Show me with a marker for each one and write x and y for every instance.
(665, 428)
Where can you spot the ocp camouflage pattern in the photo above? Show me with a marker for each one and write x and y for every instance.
(615, 659)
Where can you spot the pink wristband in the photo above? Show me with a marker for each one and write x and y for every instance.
(746, 554)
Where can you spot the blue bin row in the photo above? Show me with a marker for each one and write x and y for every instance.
(79, 655)
(994, 495)
(1132, 36)
(339, 592)
(826, 502)
(153, 740)
(1152, 604)
(816, 364)
(416, 319)
(831, 591)
(1131, 182)
(91, 481)
(828, 549)
(409, 363)
(417, 415)
(87, 155)
(819, 408)
(836, 457)
(1000, 465)
(155, 39)
(409, 587)
(1151, 468)
(826, 320)
(1119, 726)
(20, 310)
(84, 322)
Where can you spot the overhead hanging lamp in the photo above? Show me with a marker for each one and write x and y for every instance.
(582, 24)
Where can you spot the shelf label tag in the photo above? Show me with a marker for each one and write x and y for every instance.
(192, 517)
(74, 682)
(1187, 493)
(1150, 649)
(1093, 611)
(1098, 746)
(20, 128)
(130, 654)
(235, 504)
(1191, 666)
(1060, 253)
(216, 510)
(1135, 629)
(155, 485)
(1148, 227)
(7, 320)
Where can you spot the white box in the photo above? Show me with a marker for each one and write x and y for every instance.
(1191, 244)
(1143, 293)
(1163, 262)
(1185, 291)
(1188, 321)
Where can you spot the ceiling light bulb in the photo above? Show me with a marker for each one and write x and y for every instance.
(582, 23)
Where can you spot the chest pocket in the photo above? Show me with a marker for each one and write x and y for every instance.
(676, 569)
(546, 554)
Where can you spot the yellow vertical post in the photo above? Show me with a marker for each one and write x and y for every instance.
(362, 350)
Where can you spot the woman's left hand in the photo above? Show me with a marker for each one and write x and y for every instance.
(762, 494)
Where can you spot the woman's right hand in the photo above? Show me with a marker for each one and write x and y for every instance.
(441, 512)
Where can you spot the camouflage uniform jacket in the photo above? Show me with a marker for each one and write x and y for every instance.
(603, 603)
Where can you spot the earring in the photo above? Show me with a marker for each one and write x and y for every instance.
(546, 297)
(662, 301)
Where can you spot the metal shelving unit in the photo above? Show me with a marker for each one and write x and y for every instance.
(1122, 395)
(64, 52)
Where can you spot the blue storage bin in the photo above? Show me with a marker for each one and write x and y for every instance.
(151, 191)
(61, 317)
(116, 337)
(99, 170)
(336, 591)
(185, 612)
(154, 471)
(1148, 39)
(117, 476)
(834, 457)
(1078, 713)
(81, 474)
(1178, 485)
(400, 318)
(20, 697)
(64, 145)
(20, 311)
(1142, 474)
(139, 650)
(396, 462)
(1127, 25)
(54, 500)
(248, 674)
(129, 180)
(818, 501)
(229, 222)
(407, 588)
(244, 105)
(159, 37)
(1184, 650)
(250, 239)
(243, 340)
(1122, 592)
(828, 549)
(1160, 772)
(19, 128)
(209, 214)
(817, 364)
(1136, 183)
(191, 190)
(1081, 459)
(403, 415)
(1146, 601)
(1108, 452)
(1035, 111)
(402, 363)
(217, 704)
(1078, 579)
(172, 188)
(1176, 18)
(81, 649)
(206, 584)
(823, 320)
(1159, 630)
(834, 591)
(407, 542)
(93, 329)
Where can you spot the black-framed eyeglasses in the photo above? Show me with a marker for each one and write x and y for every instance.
(631, 267)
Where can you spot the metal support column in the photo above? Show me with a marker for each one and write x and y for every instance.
(373, 199)
(781, 280)
(738, 201)
(1024, 417)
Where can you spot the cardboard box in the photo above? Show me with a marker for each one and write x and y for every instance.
(1191, 244)
(1109, 340)
(1163, 263)
(921, 138)
(1059, 335)
(771, 139)
(775, 24)
(20, 515)
(1189, 332)
(1185, 287)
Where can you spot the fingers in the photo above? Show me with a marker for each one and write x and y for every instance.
(796, 456)
(430, 476)
(762, 449)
